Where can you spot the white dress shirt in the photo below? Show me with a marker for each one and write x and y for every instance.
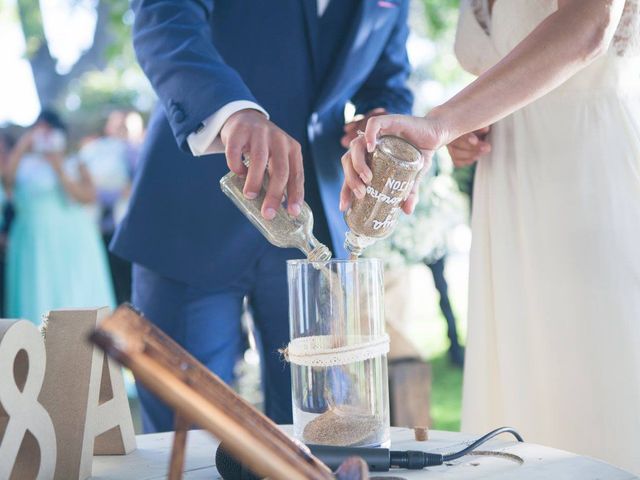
(207, 139)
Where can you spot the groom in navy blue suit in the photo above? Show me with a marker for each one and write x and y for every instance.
(267, 78)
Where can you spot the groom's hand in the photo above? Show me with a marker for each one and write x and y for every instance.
(269, 147)
(359, 123)
(467, 149)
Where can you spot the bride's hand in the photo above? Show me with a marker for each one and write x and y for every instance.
(357, 174)
(424, 133)
(467, 149)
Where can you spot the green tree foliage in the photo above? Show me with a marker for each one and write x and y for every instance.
(51, 85)
(111, 46)
(105, 76)
(441, 16)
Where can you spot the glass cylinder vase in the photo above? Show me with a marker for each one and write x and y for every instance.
(338, 352)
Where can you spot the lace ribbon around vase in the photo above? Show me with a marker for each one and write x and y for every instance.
(319, 351)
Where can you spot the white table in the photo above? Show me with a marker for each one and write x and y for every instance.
(509, 460)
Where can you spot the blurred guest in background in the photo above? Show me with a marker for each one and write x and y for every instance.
(6, 209)
(55, 258)
(135, 136)
(109, 160)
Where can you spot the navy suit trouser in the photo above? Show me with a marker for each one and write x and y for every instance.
(207, 324)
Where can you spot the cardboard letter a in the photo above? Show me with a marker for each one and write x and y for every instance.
(84, 394)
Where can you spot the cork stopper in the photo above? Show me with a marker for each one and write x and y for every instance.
(421, 434)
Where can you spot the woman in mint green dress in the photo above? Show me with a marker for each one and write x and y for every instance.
(55, 258)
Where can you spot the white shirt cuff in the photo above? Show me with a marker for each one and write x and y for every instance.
(207, 140)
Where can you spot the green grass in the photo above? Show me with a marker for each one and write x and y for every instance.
(446, 394)
(446, 388)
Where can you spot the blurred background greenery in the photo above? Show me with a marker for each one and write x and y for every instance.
(98, 70)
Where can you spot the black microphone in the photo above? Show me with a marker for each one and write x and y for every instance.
(377, 459)
(230, 469)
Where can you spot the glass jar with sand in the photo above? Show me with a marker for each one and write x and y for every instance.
(338, 352)
(395, 165)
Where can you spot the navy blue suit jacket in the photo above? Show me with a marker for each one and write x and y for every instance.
(201, 55)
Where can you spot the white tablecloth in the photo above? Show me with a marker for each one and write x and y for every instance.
(524, 461)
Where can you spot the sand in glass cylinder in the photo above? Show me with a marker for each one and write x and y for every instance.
(338, 352)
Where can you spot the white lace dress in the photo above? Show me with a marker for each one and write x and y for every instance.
(554, 309)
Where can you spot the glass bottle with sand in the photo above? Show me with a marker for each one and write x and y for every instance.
(283, 230)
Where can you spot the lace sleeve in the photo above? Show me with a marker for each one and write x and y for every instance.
(473, 46)
(481, 12)
(626, 41)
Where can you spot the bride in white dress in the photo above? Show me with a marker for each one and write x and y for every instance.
(554, 312)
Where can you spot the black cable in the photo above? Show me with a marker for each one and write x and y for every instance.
(378, 459)
(416, 460)
(480, 441)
